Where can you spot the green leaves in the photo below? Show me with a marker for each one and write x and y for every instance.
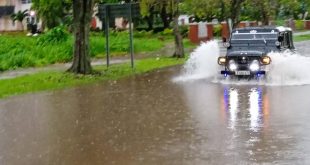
(19, 16)
(52, 12)
(54, 36)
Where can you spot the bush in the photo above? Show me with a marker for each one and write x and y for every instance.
(299, 25)
(280, 22)
(217, 30)
(167, 31)
(54, 36)
(143, 33)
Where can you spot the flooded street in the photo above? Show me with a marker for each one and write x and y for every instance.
(151, 120)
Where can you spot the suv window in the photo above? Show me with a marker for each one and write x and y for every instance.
(256, 36)
(287, 40)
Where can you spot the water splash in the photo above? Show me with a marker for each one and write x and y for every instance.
(202, 63)
(289, 69)
(286, 69)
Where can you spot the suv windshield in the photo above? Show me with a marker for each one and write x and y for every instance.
(254, 36)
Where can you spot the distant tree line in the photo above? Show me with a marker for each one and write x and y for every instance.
(239, 10)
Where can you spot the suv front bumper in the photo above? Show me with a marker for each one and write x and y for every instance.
(243, 73)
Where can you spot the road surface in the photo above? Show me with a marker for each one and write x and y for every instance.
(151, 120)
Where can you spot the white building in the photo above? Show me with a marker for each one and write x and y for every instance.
(184, 19)
(7, 8)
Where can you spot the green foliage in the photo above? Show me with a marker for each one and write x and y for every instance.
(301, 38)
(201, 9)
(184, 30)
(54, 36)
(52, 12)
(143, 33)
(25, 52)
(217, 30)
(18, 51)
(280, 22)
(299, 24)
(167, 31)
(19, 16)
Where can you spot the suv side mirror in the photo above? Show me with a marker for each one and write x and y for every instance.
(225, 43)
(280, 38)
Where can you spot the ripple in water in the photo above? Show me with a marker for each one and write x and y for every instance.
(286, 68)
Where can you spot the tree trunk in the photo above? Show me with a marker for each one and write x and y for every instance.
(235, 12)
(150, 19)
(164, 16)
(179, 47)
(264, 8)
(223, 10)
(82, 14)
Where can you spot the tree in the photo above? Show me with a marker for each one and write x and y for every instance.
(205, 10)
(52, 12)
(147, 9)
(259, 10)
(168, 10)
(20, 16)
(234, 12)
(82, 14)
(161, 7)
(222, 9)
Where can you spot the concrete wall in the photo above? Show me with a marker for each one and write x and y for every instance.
(6, 23)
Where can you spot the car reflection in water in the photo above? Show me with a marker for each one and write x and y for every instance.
(256, 110)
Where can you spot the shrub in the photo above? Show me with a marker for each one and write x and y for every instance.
(167, 31)
(54, 36)
(143, 33)
(217, 30)
(299, 25)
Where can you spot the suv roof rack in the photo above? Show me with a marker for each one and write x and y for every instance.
(279, 28)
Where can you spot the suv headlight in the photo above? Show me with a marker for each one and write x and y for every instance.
(221, 60)
(232, 65)
(254, 66)
(266, 60)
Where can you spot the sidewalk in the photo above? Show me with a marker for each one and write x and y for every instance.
(56, 67)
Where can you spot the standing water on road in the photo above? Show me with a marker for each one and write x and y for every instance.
(149, 120)
(285, 69)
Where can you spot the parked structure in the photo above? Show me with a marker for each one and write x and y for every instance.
(7, 8)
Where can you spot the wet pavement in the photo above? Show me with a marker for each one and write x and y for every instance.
(150, 120)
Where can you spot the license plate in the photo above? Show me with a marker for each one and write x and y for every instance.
(242, 73)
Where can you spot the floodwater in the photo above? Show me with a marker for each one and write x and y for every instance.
(153, 120)
(149, 119)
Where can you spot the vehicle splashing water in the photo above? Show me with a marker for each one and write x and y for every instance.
(202, 63)
(286, 69)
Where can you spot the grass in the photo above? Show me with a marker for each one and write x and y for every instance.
(53, 80)
(302, 38)
(20, 51)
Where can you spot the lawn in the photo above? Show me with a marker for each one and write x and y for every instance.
(58, 80)
(302, 38)
(20, 51)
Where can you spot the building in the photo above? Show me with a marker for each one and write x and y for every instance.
(7, 8)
